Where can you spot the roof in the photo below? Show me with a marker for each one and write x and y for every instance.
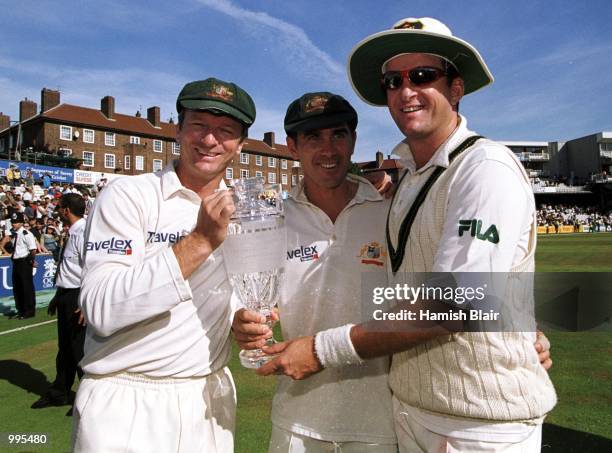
(387, 164)
(260, 147)
(84, 116)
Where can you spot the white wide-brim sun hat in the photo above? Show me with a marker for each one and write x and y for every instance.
(413, 35)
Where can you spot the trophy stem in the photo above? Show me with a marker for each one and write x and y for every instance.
(255, 358)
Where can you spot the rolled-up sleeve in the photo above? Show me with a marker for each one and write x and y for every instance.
(121, 285)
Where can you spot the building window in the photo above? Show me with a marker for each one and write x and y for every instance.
(65, 132)
(258, 160)
(127, 162)
(258, 174)
(2, 145)
(293, 180)
(88, 158)
(64, 152)
(284, 179)
(109, 138)
(272, 178)
(158, 146)
(135, 140)
(284, 164)
(244, 173)
(229, 173)
(140, 163)
(157, 164)
(271, 162)
(176, 148)
(296, 163)
(88, 136)
(109, 161)
(244, 158)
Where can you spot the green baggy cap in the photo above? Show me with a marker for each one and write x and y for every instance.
(217, 96)
(318, 111)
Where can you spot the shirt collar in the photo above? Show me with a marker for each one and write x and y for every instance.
(170, 182)
(76, 225)
(365, 191)
(440, 156)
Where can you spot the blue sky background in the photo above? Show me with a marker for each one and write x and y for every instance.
(552, 61)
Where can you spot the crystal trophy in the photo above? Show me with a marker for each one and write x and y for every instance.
(254, 252)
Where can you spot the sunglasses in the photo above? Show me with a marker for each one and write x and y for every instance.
(392, 80)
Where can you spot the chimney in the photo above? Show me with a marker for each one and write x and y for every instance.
(27, 109)
(5, 121)
(107, 106)
(380, 157)
(138, 114)
(49, 99)
(269, 139)
(153, 116)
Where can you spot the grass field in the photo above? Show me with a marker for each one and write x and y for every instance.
(582, 373)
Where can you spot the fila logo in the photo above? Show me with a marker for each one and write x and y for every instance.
(113, 246)
(474, 226)
(304, 253)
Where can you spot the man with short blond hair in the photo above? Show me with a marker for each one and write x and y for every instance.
(156, 296)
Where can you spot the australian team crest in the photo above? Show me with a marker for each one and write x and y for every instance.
(410, 25)
(373, 253)
(221, 92)
(316, 103)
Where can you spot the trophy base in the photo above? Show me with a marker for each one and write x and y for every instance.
(254, 358)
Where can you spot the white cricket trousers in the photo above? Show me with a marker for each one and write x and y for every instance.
(412, 437)
(283, 441)
(136, 413)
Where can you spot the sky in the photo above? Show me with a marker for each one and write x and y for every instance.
(552, 61)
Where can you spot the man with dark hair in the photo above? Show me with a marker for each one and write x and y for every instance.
(70, 321)
(24, 253)
(156, 296)
(325, 214)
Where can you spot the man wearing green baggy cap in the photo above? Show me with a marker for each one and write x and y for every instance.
(329, 247)
(155, 293)
(453, 390)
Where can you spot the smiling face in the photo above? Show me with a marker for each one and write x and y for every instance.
(324, 155)
(424, 113)
(208, 144)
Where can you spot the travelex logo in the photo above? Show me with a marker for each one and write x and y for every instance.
(304, 253)
(155, 237)
(112, 246)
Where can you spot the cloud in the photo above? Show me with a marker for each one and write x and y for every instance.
(86, 86)
(268, 119)
(304, 57)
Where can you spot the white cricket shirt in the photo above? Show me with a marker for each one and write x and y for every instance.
(322, 289)
(487, 164)
(71, 266)
(509, 208)
(143, 316)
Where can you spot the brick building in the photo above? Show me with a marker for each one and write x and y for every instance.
(112, 142)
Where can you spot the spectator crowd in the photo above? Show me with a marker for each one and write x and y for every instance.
(38, 203)
(590, 218)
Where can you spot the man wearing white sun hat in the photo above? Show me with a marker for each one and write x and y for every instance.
(454, 390)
